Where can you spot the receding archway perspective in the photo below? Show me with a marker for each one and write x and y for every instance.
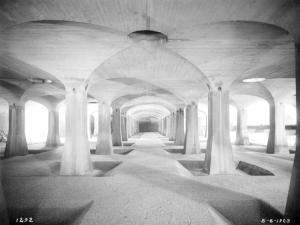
(149, 112)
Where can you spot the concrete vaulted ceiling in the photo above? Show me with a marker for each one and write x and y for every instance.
(210, 43)
(128, 16)
(149, 100)
(145, 111)
(155, 69)
(243, 101)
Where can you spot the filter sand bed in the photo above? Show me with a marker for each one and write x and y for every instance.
(149, 187)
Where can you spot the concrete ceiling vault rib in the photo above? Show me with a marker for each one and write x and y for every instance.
(117, 91)
(58, 47)
(148, 65)
(17, 71)
(254, 89)
(149, 100)
(233, 50)
(277, 89)
(144, 115)
(147, 110)
(49, 101)
(244, 100)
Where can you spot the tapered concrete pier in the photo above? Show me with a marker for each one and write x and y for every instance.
(116, 127)
(218, 157)
(191, 143)
(104, 138)
(179, 135)
(76, 158)
(242, 137)
(16, 144)
(124, 128)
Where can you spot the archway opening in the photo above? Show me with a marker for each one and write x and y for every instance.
(36, 122)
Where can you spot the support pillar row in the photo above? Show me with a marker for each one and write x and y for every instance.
(277, 141)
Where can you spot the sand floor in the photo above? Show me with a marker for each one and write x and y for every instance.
(149, 186)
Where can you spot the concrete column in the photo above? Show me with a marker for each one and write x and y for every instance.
(179, 136)
(133, 127)
(76, 158)
(281, 144)
(53, 139)
(165, 126)
(116, 129)
(191, 142)
(277, 141)
(206, 126)
(137, 129)
(128, 125)
(292, 209)
(171, 131)
(242, 137)
(219, 156)
(16, 144)
(271, 138)
(172, 126)
(168, 129)
(92, 125)
(124, 128)
(104, 139)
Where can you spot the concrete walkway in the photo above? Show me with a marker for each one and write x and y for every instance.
(149, 187)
